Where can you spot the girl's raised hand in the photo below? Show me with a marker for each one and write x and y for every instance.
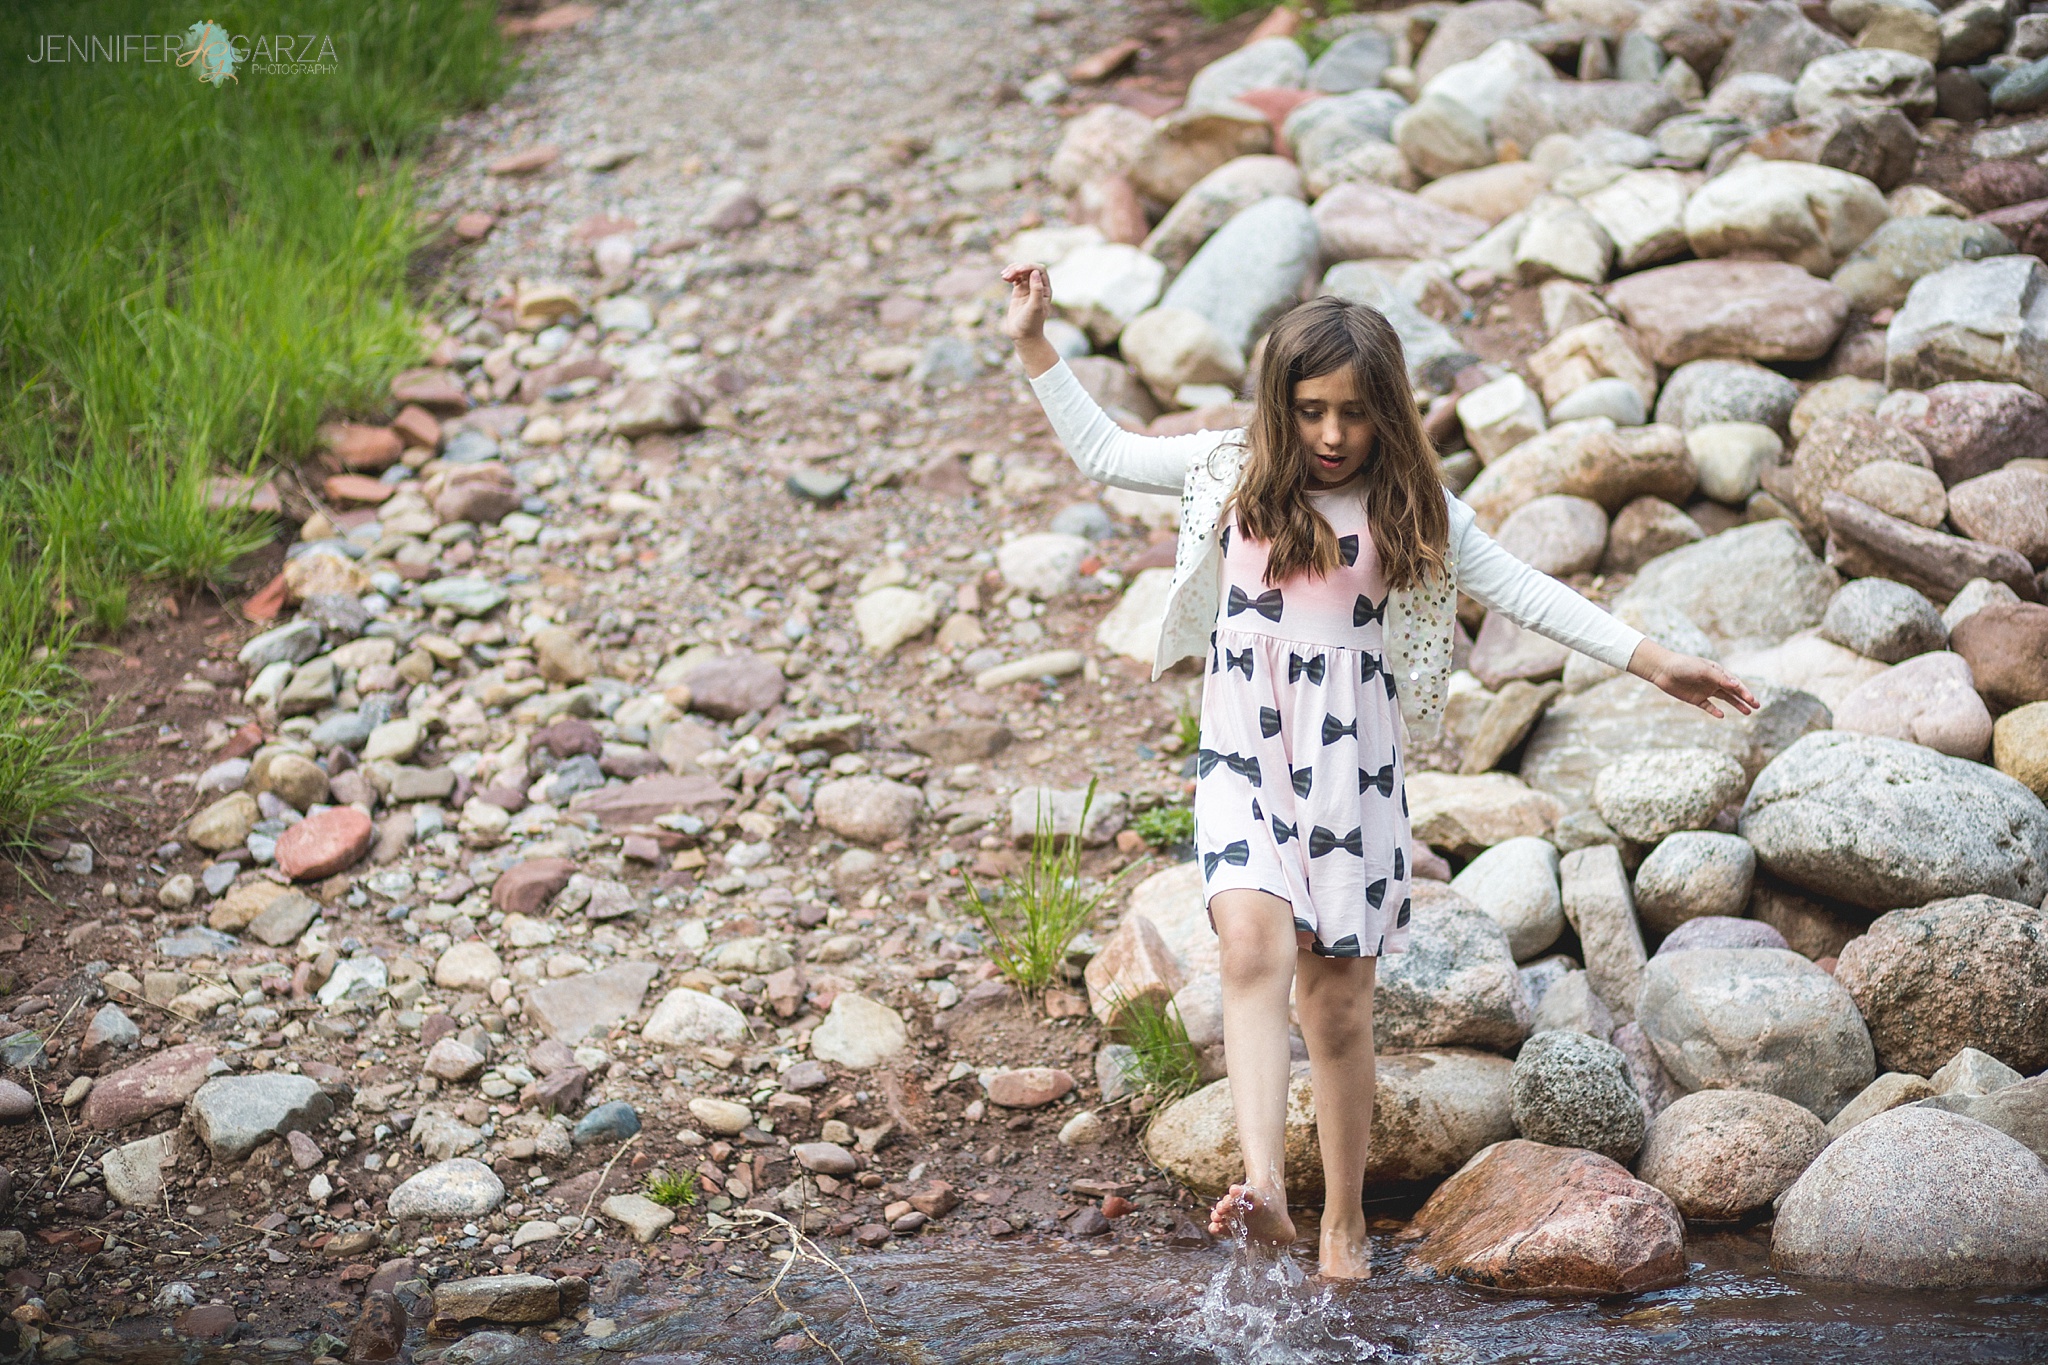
(1702, 682)
(1030, 302)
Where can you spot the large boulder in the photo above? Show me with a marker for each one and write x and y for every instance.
(1184, 146)
(1572, 1090)
(2020, 1111)
(1834, 447)
(1529, 1218)
(2006, 644)
(1449, 127)
(1643, 214)
(1582, 733)
(1918, 1199)
(1810, 216)
(1977, 320)
(1101, 288)
(1883, 620)
(1468, 30)
(1692, 875)
(1967, 972)
(1866, 78)
(1723, 1154)
(1885, 824)
(1756, 1019)
(1931, 699)
(1879, 273)
(1360, 221)
(1697, 32)
(1215, 199)
(1746, 310)
(1456, 985)
(1170, 347)
(1434, 354)
(1588, 458)
(1535, 110)
(1251, 271)
(1777, 40)
(1516, 883)
(1648, 796)
(1747, 588)
(1864, 541)
(1970, 428)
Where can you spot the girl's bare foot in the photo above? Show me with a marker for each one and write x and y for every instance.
(1260, 1217)
(1345, 1256)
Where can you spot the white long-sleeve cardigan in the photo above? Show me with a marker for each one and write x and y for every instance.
(1203, 468)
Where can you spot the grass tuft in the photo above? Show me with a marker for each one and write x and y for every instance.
(1038, 911)
(672, 1189)
(1165, 826)
(1165, 1064)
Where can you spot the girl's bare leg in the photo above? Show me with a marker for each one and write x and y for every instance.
(1258, 950)
(1333, 997)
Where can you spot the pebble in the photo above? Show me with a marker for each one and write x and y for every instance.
(612, 1121)
(457, 1188)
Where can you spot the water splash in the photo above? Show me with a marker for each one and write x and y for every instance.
(1259, 1308)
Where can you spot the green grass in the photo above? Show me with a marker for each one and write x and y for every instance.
(1165, 826)
(672, 1189)
(1222, 11)
(191, 279)
(1165, 1062)
(1035, 915)
(1188, 726)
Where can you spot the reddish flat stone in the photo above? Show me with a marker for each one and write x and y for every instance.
(324, 844)
(1529, 1218)
(1753, 310)
(525, 888)
(567, 738)
(475, 225)
(134, 1093)
(526, 161)
(266, 602)
(483, 495)
(1864, 542)
(732, 686)
(1028, 1087)
(644, 801)
(416, 426)
(1100, 66)
(2006, 644)
(433, 389)
(356, 488)
(552, 20)
(207, 1320)
(363, 448)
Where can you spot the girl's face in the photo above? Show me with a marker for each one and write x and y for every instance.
(1330, 418)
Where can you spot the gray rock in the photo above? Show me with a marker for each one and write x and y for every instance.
(234, 1115)
(465, 596)
(1600, 907)
(2023, 89)
(498, 1298)
(292, 644)
(1979, 320)
(868, 809)
(1251, 271)
(1571, 1005)
(1692, 874)
(1883, 620)
(347, 730)
(1649, 795)
(1583, 733)
(2020, 1111)
(1779, 41)
(1570, 1090)
(1918, 1199)
(1061, 813)
(110, 1031)
(1434, 355)
(1213, 201)
(1270, 64)
(1456, 986)
(1557, 534)
(1882, 823)
(134, 1172)
(1353, 62)
(1972, 1072)
(571, 1009)
(1756, 1019)
(945, 363)
(612, 1121)
(1747, 588)
(1324, 132)
(1537, 109)
(1756, 98)
(284, 919)
(1879, 273)
(1703, 391)
(458, 1188)
(1515, 882)
(1724, 1154)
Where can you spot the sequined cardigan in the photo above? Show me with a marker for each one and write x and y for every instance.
(1203, 468)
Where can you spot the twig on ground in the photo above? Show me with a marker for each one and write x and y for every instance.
(597, 1188)
(802, 1248)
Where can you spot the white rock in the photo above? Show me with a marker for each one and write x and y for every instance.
(890, 617)
(1133, 626)
(1043, 565)
(1102, 288)
(688, 1018)
(1515, 883)
(859, 1033)
(1500, 415)
(1812, 216)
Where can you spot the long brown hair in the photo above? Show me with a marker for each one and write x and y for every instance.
(1404, 492)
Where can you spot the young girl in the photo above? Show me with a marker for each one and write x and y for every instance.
(1317, 571)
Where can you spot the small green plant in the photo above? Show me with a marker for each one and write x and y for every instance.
(1034, 916)
(1166, 1063)
(672, 1189)
(1165, 826)
(1188, 726)
(1222, 11)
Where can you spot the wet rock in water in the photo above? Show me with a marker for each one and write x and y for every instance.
(1195, 1140)
(1529, 1218)
(1918, 1198)
(457, 1188)
(1601, 908)
(2020, 1111)
(858, 1033)
(871, 810)
(1978, 320)
(147, 1087)
(1574, 1090)
(497, 1298)
(1883, 620)
(1650, 795)
(1456, 985)
(1515, 882)
(1723, 1154)
(1747, 588)
(1883, 824)
(1966, 972)
(233, 1115)
(1756, 1019)
(1692, 874)
(380, 1327)
(1931, 700)
(1755, 310)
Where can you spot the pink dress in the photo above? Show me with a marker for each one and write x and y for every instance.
(1298, 788)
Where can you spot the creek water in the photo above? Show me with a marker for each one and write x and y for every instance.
(1050, 1304)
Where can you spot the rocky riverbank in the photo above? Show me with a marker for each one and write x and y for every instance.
(582, 811)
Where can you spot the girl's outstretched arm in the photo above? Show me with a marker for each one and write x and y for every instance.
(1535, 601)
(1103, 450)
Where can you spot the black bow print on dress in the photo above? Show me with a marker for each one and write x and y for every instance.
(1321, 841)
(1269, 721)
(1303, 779)
(1347, 550)
(1400, 863)
(1376, 894)
(1371, 666)
(1383, 779)
(1313, 668)
(1364, 612)
(1267, 604)
(1401, 919)
(1282, 831)
(1224, 539)
(1334, 729)
(1241, 661)
(1258, 814)
(1237, 853)
(1245, 767)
